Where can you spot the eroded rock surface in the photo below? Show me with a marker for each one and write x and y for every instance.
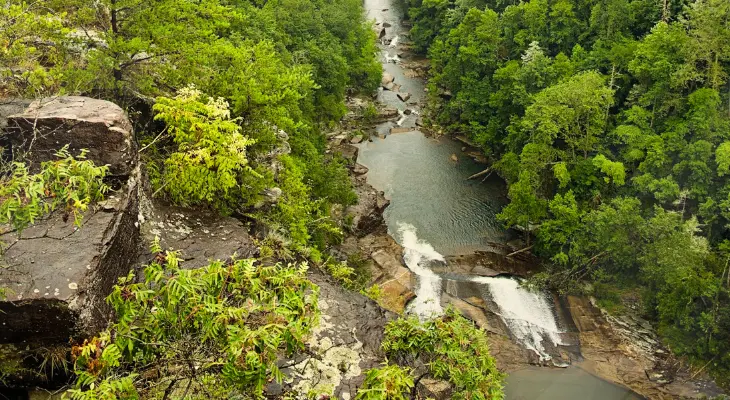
(344, 346)
(625, 350)
(99, 126)
(200, 236)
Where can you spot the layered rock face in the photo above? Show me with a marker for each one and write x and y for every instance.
(99, 126)
(56, 275)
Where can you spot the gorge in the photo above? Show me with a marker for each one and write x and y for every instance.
(435, 213)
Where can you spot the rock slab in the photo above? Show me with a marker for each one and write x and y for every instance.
(48, 124)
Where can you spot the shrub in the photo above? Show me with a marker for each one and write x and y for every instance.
(453, 348)
(69, 182)
(218, 329)
(210, 165)
(389, 382)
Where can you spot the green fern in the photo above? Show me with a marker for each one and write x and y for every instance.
(219, 328)
(69, 182)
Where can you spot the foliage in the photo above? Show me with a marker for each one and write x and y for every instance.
(210, 165)
(69, 182)
(609, 120)
(389, 382)
(216, 329)
(453, 348)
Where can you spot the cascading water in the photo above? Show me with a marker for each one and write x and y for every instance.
(416, 253)
(529, 315)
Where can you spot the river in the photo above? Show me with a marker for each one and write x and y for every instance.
(436, 212)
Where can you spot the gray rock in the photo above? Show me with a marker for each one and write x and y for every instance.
(201, 236)
(387, 78)
(100, 126)
(359, 169)
(389, 86)
(404, 96)
(434, 389)
(348, 152)
(58, 276)
(356, 139)
(381, 34)
(407, 111)
(272, 195)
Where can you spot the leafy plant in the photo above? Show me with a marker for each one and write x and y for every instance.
(389, 382)
(217, 329)
(210, 165)
(69, 182)
(453, 348)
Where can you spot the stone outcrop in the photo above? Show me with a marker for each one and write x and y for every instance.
(625, 350)
(342, 348)
(200, 236)
(367, 214)
(56, 276)
(81, 122)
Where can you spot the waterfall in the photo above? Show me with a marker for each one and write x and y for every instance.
(529, 315)
(416, 253)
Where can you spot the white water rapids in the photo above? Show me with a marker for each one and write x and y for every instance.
(427, 303)
(529, 316)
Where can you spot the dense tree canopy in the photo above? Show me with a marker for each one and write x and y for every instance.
(265, 78)
(610, 120)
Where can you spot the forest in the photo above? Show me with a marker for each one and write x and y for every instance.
(610, 121)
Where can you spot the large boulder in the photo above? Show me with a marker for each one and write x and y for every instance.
(367, 214)
(55, 276)
(48, 124)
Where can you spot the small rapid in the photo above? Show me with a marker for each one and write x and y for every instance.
(529, 315)
(417, 252)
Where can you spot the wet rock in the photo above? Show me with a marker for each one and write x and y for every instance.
(356, 139)
(428, 388)
(367, 214)
(387, 113)
(470, 311)
(58, 276)
(454, 158)
(407, 111)
(387, 78)
(359, 169)
(349, 152)
(389, 86)
(100, 126)
(382, 33)
(419, 121)
(404, 96)
(201, 236)
(386, 24)
(401, 130)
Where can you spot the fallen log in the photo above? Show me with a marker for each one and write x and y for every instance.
(478, 174)
(520, 251)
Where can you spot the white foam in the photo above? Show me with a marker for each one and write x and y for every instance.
(528, 315)
(394, 42)
(427, 303)
(401, 119)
